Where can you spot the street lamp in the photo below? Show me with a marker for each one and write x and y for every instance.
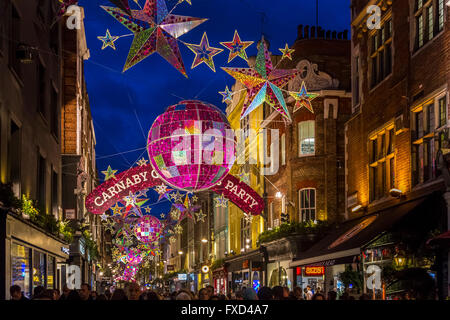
(204, 240)
(180, 252)
(278, 195)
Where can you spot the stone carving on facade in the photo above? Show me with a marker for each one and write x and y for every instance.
(315, 80)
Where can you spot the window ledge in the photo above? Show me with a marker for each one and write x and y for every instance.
(429, 42)
(380, 83)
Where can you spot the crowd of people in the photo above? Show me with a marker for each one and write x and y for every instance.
(132, 291)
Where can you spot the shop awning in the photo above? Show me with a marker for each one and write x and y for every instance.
(346, 241)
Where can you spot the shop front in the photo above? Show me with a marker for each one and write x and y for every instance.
(220, 279)
(368, 248)
(32, 257)
(245, 270)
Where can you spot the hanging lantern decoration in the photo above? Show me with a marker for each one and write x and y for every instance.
(191, 146)
(147, 229)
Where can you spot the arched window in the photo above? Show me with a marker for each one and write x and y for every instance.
(307, 200)
(306, 138)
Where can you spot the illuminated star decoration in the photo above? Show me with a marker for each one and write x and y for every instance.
(142, 162)
(263, 83)
(155, 30)
(175, 214)
(287, 53)
(204, 53)
(194, 199)
(227, 95)
(178, 229)
(109, 173)
(108, 40)
(172, 239)
(177, 197)
(116, 210)
(221, 201)
(303, 98)
(162, 215)
(162, 191)
(148, 209)
(104, 217)
(188, 1)
(244, 177)
(248, 218)
(123, 4)
(200, 216)
(237, 47)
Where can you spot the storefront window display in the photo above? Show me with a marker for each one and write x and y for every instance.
(38, 269)
(312, 276)
(256, 281)
(279, 277)
(20, 267)
(51, 272)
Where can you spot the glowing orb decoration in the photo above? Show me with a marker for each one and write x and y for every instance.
(148, 229)
(191, 146)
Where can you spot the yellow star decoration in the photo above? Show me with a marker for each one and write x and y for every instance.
(142, 162)
(287, 53)
(148, 209)
(116, 209)
(162, 215)
(108, 40)
(109, 173)
(188, 1)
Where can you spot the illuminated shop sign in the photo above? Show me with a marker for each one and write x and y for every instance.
(314, 271)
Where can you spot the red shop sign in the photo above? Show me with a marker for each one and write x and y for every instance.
(315, 271)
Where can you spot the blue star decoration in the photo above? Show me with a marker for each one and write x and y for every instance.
(108, 40)
(303, 98)
(227, 95)
(204, 53)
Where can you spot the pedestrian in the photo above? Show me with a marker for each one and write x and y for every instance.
(94, 295)
(183, 295)
(239, 295)
(134, 291)
(73, 296)
(309, 293)
(101, 297)
(318, 296)
(279, 293)
(332, 295)
(16, 293)
(210, 290)
(298, 293)
(119, 294)
(56, 294)
(214, 298)
(38, 291)
(250, 294)
(108, 294)
(151, 295)
(203, 294)
(364, 296)
(65, 293)
(265, 293)
(85, 292)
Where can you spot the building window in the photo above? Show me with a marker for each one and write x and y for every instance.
(283, 150)
(440, 15)
(442, 111)
(356, 93)
(20, 268)
(54, 108)
(427, 26)
(41, 167)
(39, 268)
(55, 194)
(306, 138)
(382, 163)
(307, 204)
(426, 119)
(41, 87)
(14, 158)
(381, 53)
(51, 264)
(15, 40)
(246, 236)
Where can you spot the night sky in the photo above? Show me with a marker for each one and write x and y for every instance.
(143, 92)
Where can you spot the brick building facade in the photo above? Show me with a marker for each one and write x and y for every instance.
(399, 124)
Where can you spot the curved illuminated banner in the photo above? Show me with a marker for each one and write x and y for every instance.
(143, 177)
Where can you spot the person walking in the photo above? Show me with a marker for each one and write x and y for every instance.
(16, 293)
(309, 293)
(85, 292)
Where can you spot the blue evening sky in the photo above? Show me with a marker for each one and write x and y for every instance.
(119, 99)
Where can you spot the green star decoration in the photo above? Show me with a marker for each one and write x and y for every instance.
(109, 173)
(108, 40)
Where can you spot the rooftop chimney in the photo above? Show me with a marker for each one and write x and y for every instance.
(300, 32)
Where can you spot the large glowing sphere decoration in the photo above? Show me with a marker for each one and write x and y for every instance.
(147, 229)
(191, 146)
